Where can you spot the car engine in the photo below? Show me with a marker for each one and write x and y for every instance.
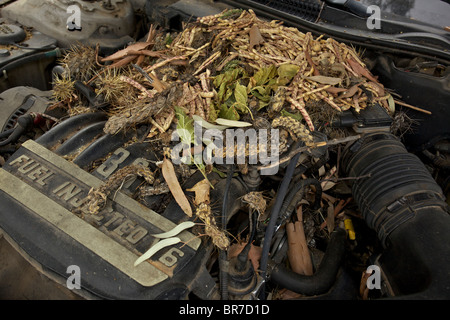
(112, 110)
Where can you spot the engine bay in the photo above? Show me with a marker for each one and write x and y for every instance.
(209, 150)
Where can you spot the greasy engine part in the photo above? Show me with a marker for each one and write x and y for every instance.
(48, 182)
(107, 23)
(24, 51)
(43, 195)
(405, 206)
(18, 101)
(429, 128)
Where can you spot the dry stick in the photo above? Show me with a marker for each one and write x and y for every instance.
(329, 101)
(163, 63)
(208, 61)
(137, 85)
(303, 111)
(120, 63)
(412, 107)
(314, 91)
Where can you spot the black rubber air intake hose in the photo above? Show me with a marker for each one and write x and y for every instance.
(400, 200)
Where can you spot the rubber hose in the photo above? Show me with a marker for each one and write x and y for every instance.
(281, 194)
(296, 194)
(400, 200)
(24, 123)
(56, 53)
(324, 277)
(6, 133)
(223, 263)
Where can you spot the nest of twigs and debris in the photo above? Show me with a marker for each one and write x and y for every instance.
(231, 66)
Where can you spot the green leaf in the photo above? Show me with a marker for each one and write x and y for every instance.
(220, 173)
(240, 94)
(213, 113)
(226, 83)
(232, 65)
(391, 104)
(185, 126)
(262, 76)
(296, 116)
(233, 123)
(218, 80)
(261, 93)
(286, 72)
(228, 113)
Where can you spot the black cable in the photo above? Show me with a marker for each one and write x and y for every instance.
(243, 256)
(6, 133)
(295, 194)
(24, 123)
(223, 263)
(284, 187)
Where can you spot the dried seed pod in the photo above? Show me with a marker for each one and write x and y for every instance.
(97, 197)
(219, 238)
(296, 129)
(256, 201)
(80, 62)
(63, 88)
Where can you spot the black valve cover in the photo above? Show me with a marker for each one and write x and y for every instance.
(42, 196)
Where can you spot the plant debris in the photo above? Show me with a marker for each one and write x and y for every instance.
(97, 197)
(230, 70)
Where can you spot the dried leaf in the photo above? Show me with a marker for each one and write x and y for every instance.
(298, 252)
(254, 254)
(169, 175)
(155, 248)
(175, 231)
(325, 80)
(232, 123)
(122, 62)
(327, 184)
(350, 92)
(391, 103)
(125, 52)
(255, 37)
(330, 218)
(360, 70)
(201, 190)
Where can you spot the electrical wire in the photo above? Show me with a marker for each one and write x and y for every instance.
(281, 194)
(223, 263)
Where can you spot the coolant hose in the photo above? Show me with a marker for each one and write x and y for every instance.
(399, 199)
(324, 277)
(281, 194)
